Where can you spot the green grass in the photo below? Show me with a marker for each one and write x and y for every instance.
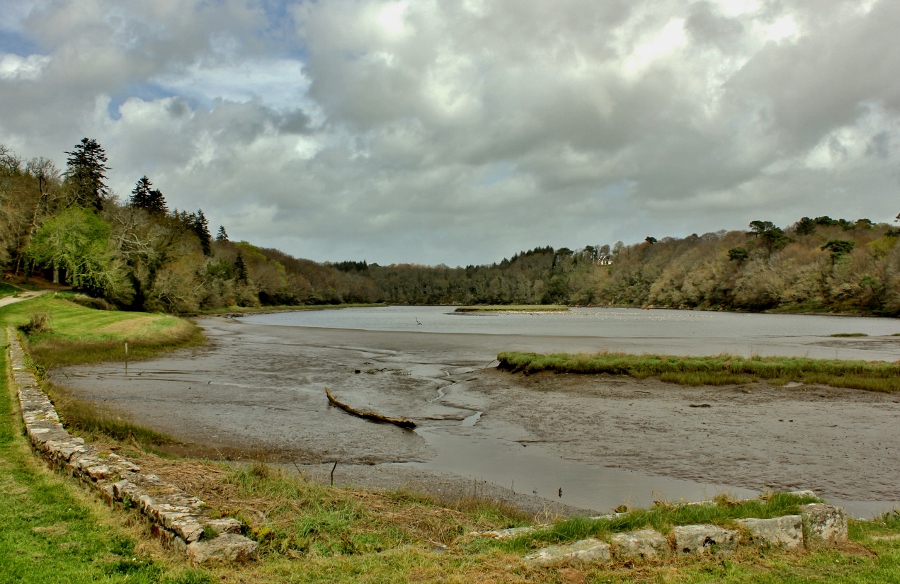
(50, 531)
(305, 517)
(83, 335)
(849, 335)
(514, 308)
(715, 370)
(7, 290)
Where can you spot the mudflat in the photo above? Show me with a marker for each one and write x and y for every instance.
(259, 391)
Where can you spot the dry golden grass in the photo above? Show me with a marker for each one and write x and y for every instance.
(151, 328)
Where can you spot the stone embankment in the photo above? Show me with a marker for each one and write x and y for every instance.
(817, 524)
(176, 517)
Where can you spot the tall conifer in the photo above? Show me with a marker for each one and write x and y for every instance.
(86, 171)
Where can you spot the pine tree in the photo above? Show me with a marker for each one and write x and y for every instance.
(240, 269)
(147, 198)
(86, 171)
(221, 235)
(201, 228)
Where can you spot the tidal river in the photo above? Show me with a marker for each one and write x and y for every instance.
(560, 443)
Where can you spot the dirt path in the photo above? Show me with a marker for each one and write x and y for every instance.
(22, 296)
(259, 391)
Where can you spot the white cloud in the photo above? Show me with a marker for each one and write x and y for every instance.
(28, 68)
(463, 132)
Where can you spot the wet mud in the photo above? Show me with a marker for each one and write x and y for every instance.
(257, 391)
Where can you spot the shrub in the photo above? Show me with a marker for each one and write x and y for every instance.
(38, 323)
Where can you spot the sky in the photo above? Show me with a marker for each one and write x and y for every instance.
(461, 132)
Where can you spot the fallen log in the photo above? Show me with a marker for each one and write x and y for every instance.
(401, 422)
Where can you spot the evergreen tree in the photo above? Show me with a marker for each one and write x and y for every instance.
(806, 226)
(240, 268)
(147, 198)
(86, 171)
(221, 235)
(200, 226)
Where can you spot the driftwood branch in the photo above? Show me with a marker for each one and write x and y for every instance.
(402, 422)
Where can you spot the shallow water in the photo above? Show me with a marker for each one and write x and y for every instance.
(588, 322)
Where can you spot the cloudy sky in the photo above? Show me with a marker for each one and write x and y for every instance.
(462, 131)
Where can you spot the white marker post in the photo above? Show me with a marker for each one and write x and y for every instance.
(126, 358)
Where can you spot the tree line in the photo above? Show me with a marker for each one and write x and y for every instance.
(135, 253)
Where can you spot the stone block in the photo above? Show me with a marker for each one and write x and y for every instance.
(784, 532)
(646, 544)
(223, 525)
(823, 524)
(581, 552)
(98, 472)
(168, 518)
(64, 450)
(127, 492)
(188, 528)
(227, 548)
(704, 539)
(108, 492)
(804, 493)
(161, 511)
(509, 532)
(123, 463)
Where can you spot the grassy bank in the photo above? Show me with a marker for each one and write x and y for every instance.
(51, 531)
(716, 370)
(76, 334)
(514, 308)
(313, 533)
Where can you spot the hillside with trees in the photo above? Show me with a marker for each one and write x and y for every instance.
(135, 253)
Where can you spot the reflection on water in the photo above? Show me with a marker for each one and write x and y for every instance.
(588, 322)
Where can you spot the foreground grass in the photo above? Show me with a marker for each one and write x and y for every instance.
(514, 308)
(313, 533)
(716, 370)
(84, 335)
(51, 531)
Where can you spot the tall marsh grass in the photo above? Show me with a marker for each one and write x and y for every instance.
(716, 370)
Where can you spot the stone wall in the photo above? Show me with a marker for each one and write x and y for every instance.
(176, 517)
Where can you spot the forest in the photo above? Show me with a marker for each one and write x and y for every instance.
(134, 253)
